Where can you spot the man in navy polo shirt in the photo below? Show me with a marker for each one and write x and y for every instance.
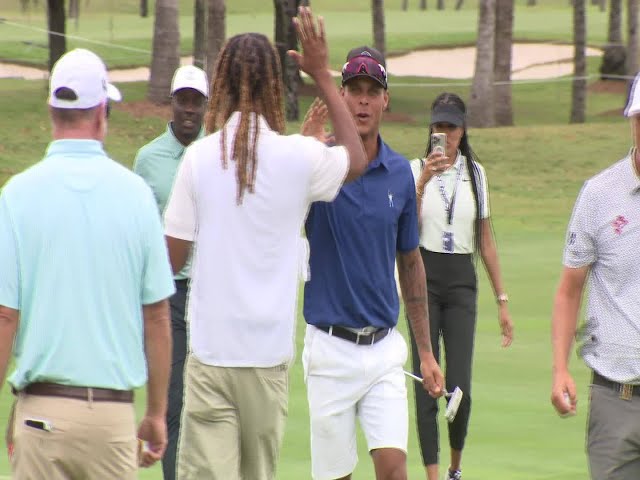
(353, 355)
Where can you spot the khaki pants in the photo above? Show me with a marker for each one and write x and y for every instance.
(232, 423)
(80, 439)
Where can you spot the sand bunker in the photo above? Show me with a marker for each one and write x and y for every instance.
(530, 61)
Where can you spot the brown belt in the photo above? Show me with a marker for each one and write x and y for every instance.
(624, 390)
(79, 393)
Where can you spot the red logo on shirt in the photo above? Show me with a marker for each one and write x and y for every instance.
(619, 223)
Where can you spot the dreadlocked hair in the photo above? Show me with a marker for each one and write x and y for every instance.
(248, 80)
(447, 98)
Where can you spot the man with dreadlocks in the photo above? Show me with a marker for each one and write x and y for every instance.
(353, 355)
(240, 197)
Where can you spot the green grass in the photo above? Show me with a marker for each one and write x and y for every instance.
(535, 172)
(348, 25)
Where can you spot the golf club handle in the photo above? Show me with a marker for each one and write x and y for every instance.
(419, 380)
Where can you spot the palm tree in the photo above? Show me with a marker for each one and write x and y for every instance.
(423, 4)
(579, 86)
(216, 33)
(614, 55)
(502, 65)
(199, 33)
(440, 5)
(166, 50)
(377, 8)
(56, 22)
(632, 38)
(285, 37)
(481, 105)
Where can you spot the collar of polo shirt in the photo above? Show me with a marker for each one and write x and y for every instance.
(635, 181)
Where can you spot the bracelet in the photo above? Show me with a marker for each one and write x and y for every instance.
(502, 298)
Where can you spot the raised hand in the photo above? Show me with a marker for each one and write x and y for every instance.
(315, 122)
(315, 57)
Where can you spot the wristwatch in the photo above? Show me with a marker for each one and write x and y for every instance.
(502, 298)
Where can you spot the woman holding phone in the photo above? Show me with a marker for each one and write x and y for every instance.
(453, 215)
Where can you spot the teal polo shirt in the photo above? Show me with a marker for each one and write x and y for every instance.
(157, 162)
(82, 250)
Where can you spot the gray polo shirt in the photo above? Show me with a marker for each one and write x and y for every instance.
(604, 233)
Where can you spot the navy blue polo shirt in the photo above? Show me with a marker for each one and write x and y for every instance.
(354, 241)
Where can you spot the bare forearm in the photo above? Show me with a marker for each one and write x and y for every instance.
(179, 251)
(157, 347)
(9, 319)
(414, 292)
(565, 314)
(563, 328)
(489, 253)
(346, 132)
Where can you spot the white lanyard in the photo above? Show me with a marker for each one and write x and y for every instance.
(449, 204)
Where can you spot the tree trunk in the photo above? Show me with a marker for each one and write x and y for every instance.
(502, 65)
(481, 105)
(144, 8)
(459, 4)
(423, 4)
(56, 24)
(290, 68)
(405, 5)
(377, 7)
(166, 50)
(632, 38)
(531, 3)
(74, 8)
(579, 86)
(614, 34)
(199, 34)
(440, 5)
(216, 33)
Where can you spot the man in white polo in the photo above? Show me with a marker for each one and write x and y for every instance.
(84, 284)
(248, 252)
(603, 250)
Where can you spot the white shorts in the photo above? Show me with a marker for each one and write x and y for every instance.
(345, 381)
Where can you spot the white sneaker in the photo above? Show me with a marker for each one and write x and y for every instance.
(455, 475)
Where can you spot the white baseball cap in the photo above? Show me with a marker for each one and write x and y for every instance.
(85, 74)
(633, 105)
(190, 76)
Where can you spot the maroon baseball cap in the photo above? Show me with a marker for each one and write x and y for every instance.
(365, 62)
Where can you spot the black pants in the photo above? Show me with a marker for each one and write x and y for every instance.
(174, 407)
(451, 282)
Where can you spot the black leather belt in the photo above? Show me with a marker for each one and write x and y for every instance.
(357, 338)
(625, 390)
(79, 393)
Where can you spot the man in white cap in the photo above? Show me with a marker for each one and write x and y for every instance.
(602, 250)
(83, 296)
(157, 162)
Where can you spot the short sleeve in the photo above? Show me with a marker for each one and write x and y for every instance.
(482, 184)
(180, 214)
(416, 169)
(580, 249)
(329, 166)
(408, 235)
(9, 263)
(157, 282)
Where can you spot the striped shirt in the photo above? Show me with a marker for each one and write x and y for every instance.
(604, 234)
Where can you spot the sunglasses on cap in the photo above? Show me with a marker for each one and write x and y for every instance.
(364, 66)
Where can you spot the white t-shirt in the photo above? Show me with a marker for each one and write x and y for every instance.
(247, 258)
(434, 214)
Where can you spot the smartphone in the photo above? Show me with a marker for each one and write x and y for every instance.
(439, 142)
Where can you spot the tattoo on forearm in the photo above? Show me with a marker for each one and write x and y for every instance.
(414, 291)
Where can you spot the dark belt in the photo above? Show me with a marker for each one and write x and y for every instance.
(357, 338)
(79, 393)
(624, 390)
